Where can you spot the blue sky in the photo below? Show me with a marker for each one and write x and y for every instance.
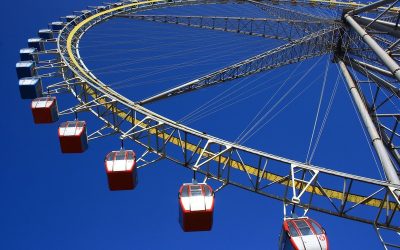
(56, 201)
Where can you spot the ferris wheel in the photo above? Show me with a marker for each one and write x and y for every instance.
(363, 40)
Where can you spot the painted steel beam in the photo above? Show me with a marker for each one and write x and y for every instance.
(376, 139)
(285, 13)
(310, 46)
(240, 166)
(382, 54)
(282, 29)
(370, 7)
(384, 26)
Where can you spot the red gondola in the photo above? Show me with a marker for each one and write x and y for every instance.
(44, 110)
(302, 233)
(73, 137)
(196, 207)
(121, 170)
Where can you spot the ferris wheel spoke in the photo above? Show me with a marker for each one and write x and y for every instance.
(310, 46)
(281, 29)
(286, 13)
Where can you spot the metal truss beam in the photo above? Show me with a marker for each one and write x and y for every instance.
(282, 29)
(370, 7)
(328, 191)
(384, 26)
(313, 45)
(309, 187)
(376, 139)
(382, 54)
(281, 12)
(378, 80)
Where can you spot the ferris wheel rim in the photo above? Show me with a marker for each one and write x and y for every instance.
(122, 99)
(92, 82)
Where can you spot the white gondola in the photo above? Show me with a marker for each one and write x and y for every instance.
(121, 170)
(44, 110)
(302, 233)
(73, 137)
(196, 207)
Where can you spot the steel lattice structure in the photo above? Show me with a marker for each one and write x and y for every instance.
(365, 41)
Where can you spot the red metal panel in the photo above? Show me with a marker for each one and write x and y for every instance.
(45, 114)
(122, 180)
(73, 143)
(196, 221)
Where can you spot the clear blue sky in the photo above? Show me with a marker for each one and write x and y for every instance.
(55, 201)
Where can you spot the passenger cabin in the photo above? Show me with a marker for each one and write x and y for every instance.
(25, 69)
(45, 34)
(28, 54)
(121, 170)
(37, 43)
(73, 137)
(70, 18)
(196, 207)
(302, 233)
(30, 87)
(57, 26)
(44, 110)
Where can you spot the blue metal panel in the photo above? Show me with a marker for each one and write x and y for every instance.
(28, 54)
(57, 26)
(25, 69)
(70, 18)
(37, 43)
(46, 34)
(30, 88)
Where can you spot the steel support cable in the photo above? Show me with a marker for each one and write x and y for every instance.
(330, 193)
(267, 103)
(247, 93)
(152, 42)
(164, 56)
(230, 103)
(117, 51)
(252, 128)
(328, 109)
(318, 109)
(227, 48)
(168, 68)
(281, 110)
(226, 94)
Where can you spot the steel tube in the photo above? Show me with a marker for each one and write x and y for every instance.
(370, 7)
(386, 59)
(377, 142)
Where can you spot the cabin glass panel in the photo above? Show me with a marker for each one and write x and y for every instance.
(185, 191)
(195, 190)
(317, 228)
(292, 230)
(304, 227)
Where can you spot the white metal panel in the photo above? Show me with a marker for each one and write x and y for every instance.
(109, 165)
(119, 165)
(197, 203)
(186, 202)
(311, 242)
(130, 164)
(299, 243)
(209, 202)
(323, 241)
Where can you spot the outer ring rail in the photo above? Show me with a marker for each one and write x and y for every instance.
(211, 150)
